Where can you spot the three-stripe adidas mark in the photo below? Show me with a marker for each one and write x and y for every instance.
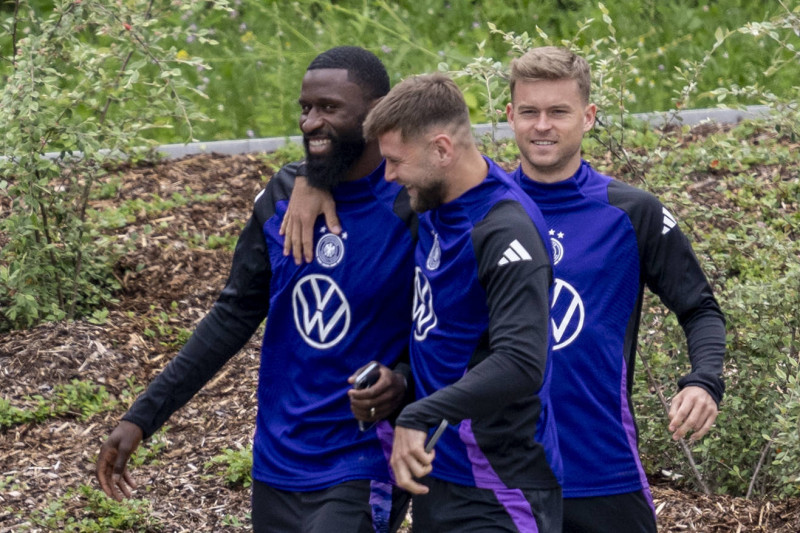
(515, 252)
(669, 221)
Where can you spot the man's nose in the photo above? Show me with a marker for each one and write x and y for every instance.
(390, 172)
(310, 121)
(542, 122)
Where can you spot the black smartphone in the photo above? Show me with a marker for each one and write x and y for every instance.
(368, 377)
(435, 437)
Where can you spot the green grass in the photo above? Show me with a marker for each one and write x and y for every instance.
(265, 48)
(251, 87)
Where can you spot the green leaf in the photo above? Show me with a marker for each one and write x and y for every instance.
(719, 35)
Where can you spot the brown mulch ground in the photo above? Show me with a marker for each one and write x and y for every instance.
(41, 463)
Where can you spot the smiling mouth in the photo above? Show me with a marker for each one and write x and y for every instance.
(318, 146)
(544, 143)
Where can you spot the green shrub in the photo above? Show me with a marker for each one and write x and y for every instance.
(255, 74)
(86, 81)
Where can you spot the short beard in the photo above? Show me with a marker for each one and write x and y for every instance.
(428, 198)
(326, 172)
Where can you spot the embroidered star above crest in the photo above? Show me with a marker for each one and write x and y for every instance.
(560, 234)
(552, 232)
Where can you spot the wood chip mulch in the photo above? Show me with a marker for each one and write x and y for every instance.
(44, 463)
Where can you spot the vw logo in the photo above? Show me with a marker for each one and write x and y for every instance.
(566, 313)
(424, 316)
(321, 311)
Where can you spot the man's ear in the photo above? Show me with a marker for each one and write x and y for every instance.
(443, 148)
(589, 115)
(510, 115)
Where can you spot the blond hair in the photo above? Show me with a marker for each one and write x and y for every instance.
(552, 63)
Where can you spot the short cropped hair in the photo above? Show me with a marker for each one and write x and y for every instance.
(362, 66)
(552, 63)
(416, 104)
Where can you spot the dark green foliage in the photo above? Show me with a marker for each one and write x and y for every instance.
(83, 82)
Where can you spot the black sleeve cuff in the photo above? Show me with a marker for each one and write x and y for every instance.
(712, 383)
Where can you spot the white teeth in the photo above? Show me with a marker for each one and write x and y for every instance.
(321, 142)
(543, 143)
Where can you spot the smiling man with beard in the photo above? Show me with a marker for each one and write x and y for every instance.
(315, 469)
(479, 344)
(332, 127)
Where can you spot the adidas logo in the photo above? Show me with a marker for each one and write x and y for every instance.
(515, 252)
(669, 221)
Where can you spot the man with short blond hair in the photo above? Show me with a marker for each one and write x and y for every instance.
(479, 345)
(609, 241)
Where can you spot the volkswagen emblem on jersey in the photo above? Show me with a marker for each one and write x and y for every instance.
(566, 314)
(330, 250)
(435, 255)
(423, 315)
(558, 248)
(321, 311)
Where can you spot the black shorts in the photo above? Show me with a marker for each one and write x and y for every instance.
(359, 506)
(456, 508)
(631, 512)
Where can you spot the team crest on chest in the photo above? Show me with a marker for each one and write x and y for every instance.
(558, 248)
(435, 255)
(330, 249)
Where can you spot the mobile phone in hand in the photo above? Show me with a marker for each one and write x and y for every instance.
(368, 377)
(435, 437)
(365, 379)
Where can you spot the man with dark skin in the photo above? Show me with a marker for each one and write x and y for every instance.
(633, 241)
(313, 465)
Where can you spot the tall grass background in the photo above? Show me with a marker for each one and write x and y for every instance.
(253, 77)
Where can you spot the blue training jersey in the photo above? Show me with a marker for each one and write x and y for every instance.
(327, 318)
(479, 347)
(609, 240)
